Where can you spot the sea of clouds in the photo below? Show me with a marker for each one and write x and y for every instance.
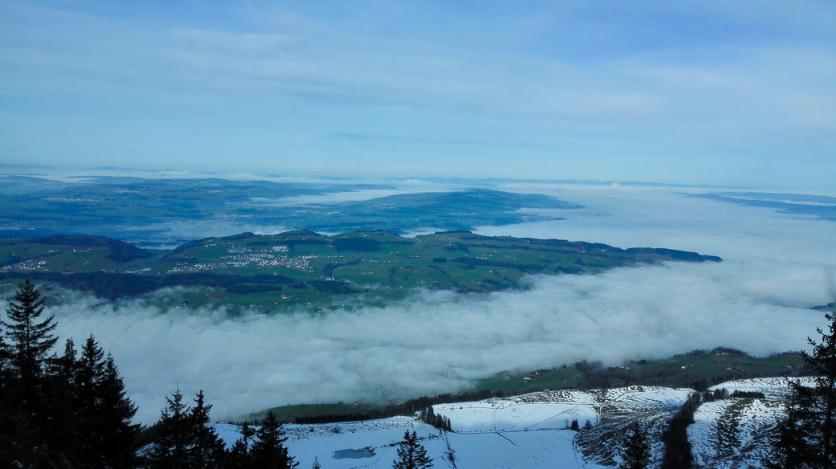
(758, 300)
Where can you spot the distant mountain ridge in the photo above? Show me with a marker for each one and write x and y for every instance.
(819, 206)
(166, 212)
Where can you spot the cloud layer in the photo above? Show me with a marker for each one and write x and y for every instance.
(437, 342)
(757, 300)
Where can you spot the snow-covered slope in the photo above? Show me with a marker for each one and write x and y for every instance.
(526, 431)
(603, 416)
(651, 406)
(350, 444)
(548, 410)
(532, 430)
(373, 444)
(771, 387)
(733, 432)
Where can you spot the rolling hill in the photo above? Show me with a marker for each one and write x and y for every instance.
(304, 267)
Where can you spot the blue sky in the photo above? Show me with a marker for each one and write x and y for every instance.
(708, 91)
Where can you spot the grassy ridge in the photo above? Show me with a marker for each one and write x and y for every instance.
(303, 267)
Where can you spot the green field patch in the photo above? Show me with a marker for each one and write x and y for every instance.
(273, 270)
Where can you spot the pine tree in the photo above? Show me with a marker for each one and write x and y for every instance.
(822, 362)
(247, 434)
(636, 452)
(411, 454)
(62, 430)
(316, 464)
(54, 409)
(268, 450)
(31, 339)
(119, 435)
(807, 438)
(5, 358)
(207, 449)
(90, 369)
(574, 426)
(8, 433)
(171, 441)
(792, 447)
(66, 366)
(239, 456)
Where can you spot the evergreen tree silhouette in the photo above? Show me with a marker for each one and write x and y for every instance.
(268, 450)
(239, 455)
(119, 434)
(807, 438)
(60, 431)
(792, 444)
(823, 363)
(29, 340)
(30, 337)
(411, 454)
(65, 367)
(207, 449)
(8, 433)
(171, 442)
(636, 452)
(5, 355)
(90, 370)
(55, 410)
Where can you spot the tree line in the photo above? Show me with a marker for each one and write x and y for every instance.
(70, 410)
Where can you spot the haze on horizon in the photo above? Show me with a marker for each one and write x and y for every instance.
(740, 93)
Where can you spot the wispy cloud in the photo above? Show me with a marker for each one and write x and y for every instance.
(594, 89)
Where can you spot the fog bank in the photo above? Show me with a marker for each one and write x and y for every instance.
(439, 341)
(776, 267)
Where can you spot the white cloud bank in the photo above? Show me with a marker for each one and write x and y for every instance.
(776, 267)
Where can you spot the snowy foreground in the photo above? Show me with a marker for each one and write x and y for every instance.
(732, 432)
(532, 430)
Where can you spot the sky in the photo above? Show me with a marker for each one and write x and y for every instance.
(715, 92)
